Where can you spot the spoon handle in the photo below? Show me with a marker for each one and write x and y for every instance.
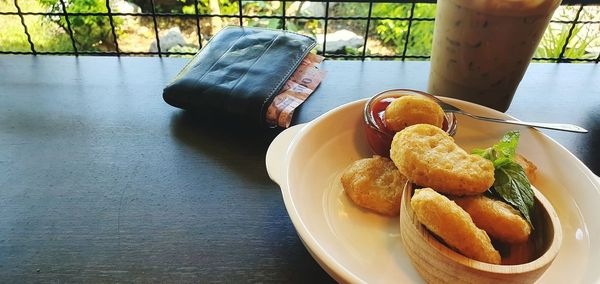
(554, 126)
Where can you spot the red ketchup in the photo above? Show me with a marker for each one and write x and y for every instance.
(378, 135)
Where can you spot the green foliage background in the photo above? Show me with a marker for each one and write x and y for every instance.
(395, 32)
(581, 38)
(93, 33)
(90, 32)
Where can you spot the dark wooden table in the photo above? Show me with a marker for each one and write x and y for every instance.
(101, 181)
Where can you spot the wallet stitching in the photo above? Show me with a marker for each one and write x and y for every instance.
(199, 80)
(300, 55)
(257, 59)
(287, 32)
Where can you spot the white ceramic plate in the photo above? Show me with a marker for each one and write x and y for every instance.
(354, 245)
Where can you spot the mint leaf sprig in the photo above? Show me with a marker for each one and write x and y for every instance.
(511, 183)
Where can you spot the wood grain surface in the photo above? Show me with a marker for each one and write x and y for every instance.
(436, 262)
(101, 181)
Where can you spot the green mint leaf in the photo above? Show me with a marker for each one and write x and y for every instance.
(500, 162)
(511, 183)
(485, 153)
(502, 152)
(507, 147)
(512, 186)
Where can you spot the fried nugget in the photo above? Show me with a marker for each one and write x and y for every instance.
(500, 220)
(410, 110)
(376, 184)
(529, 167)
(429, 157)
(451, 223)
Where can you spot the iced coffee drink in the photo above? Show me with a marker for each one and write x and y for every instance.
(481, 48)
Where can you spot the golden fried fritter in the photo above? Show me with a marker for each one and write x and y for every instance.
(451, 223)
(429, 157)
(376, 184)
(498, 219)
(410, 110)
(529, 167)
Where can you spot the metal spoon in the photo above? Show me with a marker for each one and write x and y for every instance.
(555, 126)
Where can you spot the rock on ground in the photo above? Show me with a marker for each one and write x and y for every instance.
(172, 38)
(122, 6)
(338, 40)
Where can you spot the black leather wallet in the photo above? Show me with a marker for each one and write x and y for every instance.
(238, 73)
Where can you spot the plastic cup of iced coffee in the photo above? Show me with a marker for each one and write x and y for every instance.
(481, 48)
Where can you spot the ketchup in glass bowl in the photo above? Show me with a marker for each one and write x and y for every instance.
(378, 134)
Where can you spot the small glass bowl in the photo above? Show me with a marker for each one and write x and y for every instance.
(379, 137)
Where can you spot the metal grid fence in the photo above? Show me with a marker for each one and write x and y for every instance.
(580, 4)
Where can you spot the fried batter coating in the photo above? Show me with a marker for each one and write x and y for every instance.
(410, 110)
(376, 184)
(429, 157)
(451, 223)
(501, 221)
(529, 167)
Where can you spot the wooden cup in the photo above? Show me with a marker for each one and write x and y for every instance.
(437, 263)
